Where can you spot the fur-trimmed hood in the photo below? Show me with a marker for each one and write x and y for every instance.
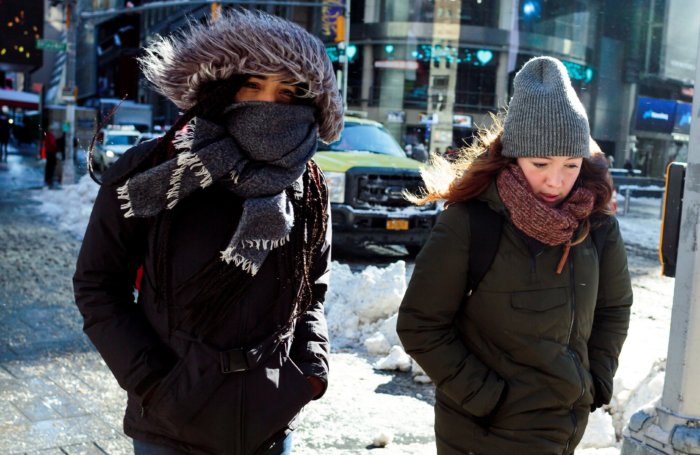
(244, 42)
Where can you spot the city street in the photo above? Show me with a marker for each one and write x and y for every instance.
(58, 398)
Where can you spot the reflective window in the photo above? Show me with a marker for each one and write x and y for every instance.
(364, 137)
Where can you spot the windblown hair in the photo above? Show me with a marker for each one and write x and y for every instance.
(477, 166)
(249, 43)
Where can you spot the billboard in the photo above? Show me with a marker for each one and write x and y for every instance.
(684, 112)
(655, 115)
(21, 24)
(332, 13)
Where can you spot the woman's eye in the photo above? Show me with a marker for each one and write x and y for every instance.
(252, 85)
(539, 165)
(572, 166)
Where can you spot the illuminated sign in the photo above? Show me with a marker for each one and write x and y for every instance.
(462, 121)
(655, 115)
(409, 65)
(477, 57)
(330, 12)
(579, 72)
(396, 117)
(684, 113)
(334, 53)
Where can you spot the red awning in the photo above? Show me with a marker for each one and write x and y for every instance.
(13, 98)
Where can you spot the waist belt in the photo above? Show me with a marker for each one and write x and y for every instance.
(237, 360)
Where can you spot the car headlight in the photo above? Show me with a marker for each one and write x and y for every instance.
(336, 185)
(109, 153)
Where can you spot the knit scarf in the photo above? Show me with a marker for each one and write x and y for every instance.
(257, 151)
(549, 225)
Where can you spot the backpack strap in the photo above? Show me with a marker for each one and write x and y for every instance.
(485, 226)
(599, 234)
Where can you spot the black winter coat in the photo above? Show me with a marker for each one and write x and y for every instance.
(191, 403)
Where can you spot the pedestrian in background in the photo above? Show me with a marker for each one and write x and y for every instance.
(4, 137)
(522, 356)
(420, 153)
(227, 218)
(49, 151)
(61, 157)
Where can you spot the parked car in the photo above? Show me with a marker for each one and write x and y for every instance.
(367, 172)
(111, 144)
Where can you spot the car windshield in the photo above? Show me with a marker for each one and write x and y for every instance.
(121, 139)
(364, 137)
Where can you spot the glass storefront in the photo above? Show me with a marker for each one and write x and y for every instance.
(471, 12)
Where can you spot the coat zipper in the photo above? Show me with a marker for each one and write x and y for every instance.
(571, 354)
(241, 407)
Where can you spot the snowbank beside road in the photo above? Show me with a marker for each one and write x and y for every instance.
(70, 206)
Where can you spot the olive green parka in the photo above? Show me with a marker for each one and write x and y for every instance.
(520, 363)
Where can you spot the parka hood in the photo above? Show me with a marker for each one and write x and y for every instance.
(244, 42)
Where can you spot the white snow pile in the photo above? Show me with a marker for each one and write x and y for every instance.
(71, 206)
(362, 307)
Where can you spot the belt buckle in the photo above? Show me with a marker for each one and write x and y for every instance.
(234, 361)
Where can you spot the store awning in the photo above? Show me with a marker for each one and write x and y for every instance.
(13, 98)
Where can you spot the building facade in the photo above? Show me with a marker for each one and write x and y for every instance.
(432, 71)
(428, 66)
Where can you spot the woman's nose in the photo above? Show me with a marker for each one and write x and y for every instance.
(554, 179)
(265, 95)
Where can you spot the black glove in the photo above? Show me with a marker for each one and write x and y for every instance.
(597, 396)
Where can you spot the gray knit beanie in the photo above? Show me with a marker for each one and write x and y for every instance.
(244, 42)
(545, 116)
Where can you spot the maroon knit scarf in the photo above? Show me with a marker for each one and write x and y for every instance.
(549, 225)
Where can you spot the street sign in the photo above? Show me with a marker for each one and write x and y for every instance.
(50, 45)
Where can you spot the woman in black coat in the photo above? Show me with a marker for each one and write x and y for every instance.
(226, 220)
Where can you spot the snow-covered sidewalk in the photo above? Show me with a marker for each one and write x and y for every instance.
(366, 407)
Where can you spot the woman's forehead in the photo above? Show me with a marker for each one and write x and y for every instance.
(277, 78)
(554, 158)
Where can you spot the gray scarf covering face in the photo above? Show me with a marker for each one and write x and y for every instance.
(258, 151)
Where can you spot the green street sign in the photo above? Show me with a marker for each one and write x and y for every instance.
(50, 45)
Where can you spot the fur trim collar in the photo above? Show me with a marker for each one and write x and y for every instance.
(244, 42)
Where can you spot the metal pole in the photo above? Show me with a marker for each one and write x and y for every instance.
(345, 60)
(70, 90)
(673, 427)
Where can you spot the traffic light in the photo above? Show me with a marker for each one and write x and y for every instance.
(68, 12)
(339, 29)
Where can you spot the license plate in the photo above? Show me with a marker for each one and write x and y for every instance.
(397, 224)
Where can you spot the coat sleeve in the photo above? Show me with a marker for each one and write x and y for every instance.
(311, 348)
(612, 315)
(111, 252)
(427, 313)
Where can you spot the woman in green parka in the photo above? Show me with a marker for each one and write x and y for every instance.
(521, 358)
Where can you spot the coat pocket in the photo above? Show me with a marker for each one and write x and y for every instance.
(539, 300)
(185, 391)
(275, 394)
